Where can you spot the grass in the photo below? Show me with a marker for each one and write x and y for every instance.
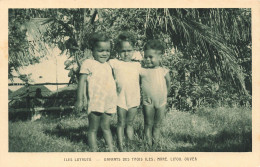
(207, 130)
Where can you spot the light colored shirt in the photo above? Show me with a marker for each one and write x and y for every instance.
(127, 78)
(101, 86)
(154, 88)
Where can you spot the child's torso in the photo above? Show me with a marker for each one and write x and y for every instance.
(101, 76)
(101, 87)
(153, 82)
(126, 73)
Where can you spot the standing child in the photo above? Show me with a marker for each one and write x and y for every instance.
(101, 90)
(126, 74)
(155, 86)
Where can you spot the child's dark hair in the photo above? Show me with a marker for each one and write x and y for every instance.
(124, 36)
(97, 37)
(155, 44)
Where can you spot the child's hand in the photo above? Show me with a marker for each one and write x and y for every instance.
(118, 88)
(85, 104)
(78, 106)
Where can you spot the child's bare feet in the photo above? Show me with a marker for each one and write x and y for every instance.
(121, 148)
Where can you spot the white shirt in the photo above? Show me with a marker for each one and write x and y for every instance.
(127, 78)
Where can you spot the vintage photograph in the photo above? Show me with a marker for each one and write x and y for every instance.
(129, 80)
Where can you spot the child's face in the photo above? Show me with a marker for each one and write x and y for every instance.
(126, 51)
(152, 58)
(101, 51)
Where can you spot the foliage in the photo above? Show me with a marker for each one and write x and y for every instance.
(212, 36)
(195, 85)
(23, 50)
(209, 50)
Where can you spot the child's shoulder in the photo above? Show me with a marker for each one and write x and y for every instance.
(86, 66)
(87, 61)
(113, 61)
(137, 63)
(165, 70)
(90, 64)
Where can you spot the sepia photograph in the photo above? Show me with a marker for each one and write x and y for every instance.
(149, 85)
(195, 69)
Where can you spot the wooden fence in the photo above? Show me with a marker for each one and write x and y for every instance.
(33, 110)
(29, 84)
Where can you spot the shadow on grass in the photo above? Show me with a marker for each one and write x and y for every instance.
(225, 141)
(76, 135)
(72, 134)
(19, 116)
(27, 115)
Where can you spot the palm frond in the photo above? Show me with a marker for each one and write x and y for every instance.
(210, 32)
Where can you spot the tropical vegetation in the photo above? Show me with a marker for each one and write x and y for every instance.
(208, 50)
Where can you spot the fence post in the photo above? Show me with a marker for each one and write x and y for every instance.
(28, 103)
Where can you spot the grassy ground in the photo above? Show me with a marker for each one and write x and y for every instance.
(207, 130)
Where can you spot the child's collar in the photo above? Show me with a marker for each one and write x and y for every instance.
(152, 67)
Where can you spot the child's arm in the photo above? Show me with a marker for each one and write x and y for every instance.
(80, 92)
(85, 101)
(168, 82)
(112, 65)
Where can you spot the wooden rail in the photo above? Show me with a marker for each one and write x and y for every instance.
(47, 83)
(36, 109)
(41, 109)
(44, 97)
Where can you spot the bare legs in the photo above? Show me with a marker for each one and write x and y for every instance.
(121, 116)
(152, 121)
(94, 121)
(102, 119)
(148, 123)
(153, 118)
(125, 119)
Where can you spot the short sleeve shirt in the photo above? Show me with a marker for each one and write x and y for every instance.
(101, 86)
(127, 79)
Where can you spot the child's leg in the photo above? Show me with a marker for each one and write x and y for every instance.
(131, 113)
(94, 120)
(105, 126)
(159, 115)
(148, 122)
(121, 116)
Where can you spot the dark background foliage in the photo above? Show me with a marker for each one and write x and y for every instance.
(208, 50)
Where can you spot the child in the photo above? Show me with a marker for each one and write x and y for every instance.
(126, 74)
(101, 90)
(155, 86)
